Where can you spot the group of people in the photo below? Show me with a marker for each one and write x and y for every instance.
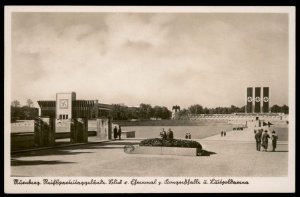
(117, 132)
(238, 128)
(262, 139)
(188, 136)
(223, 133)
(167, 135)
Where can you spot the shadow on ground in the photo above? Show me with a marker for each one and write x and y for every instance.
(207, 153)
(71, 150)
(15, 162)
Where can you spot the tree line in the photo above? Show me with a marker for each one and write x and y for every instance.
(26, 112)
(199, 109)
(143, 112)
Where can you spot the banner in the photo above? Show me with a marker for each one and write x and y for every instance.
(249, 106)
(266, 99)
(257, 100)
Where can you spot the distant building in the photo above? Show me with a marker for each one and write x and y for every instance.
(66, 107)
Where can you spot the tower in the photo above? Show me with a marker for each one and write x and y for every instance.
(175, 112)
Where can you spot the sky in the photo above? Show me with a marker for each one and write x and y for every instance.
(160, 59)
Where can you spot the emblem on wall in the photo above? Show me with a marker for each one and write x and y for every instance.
(63, 103)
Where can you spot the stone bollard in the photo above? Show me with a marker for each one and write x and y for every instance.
(79, 130)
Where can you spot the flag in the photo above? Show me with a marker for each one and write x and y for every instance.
(257, 100)
(249, 100)
(266, 99)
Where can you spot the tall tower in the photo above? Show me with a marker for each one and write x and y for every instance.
(175, 112)
(64, 105)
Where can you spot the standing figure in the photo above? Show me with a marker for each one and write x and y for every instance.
(163, 134)
(274, 139)
(115, 132)
(224, 133)
(186, 136)
(221, 133)
(190, 137)
(119, 132)
(265, 138)
(258, 139)
(170, 134)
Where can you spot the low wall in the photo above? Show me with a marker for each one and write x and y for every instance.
(128, 134)
(26, 140)
(170, 122)
(155, 150)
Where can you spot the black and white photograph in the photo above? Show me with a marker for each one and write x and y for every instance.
(129, 99)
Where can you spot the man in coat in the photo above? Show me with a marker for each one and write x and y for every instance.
(115, 132)
(163, 134)
(258, 139)
(274, 139)
(265, 138)
(170, 135)
(119, 132)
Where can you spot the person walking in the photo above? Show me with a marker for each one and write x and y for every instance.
(170, 134)
(221, 133)
(258, 139)
(274, 139)
(115, 132)
(265, 138)
(224, 133)
(190, 137)
(119, 132)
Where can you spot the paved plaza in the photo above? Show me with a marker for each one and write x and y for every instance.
(233, 157)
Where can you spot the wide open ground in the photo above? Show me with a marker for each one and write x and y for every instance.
(232, 158)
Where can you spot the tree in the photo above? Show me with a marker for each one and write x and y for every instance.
(157, 111)
(275, 109)
(242, 109)
(196, 109)
(29, 103)
(206, 110)
(166, 113)
(285, 109)
(145, 111)
(15, 103)
(119, 112)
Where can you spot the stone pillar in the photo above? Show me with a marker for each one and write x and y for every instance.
(73, 131)
(79, 130)
(44, 131)
(109, 136)
(37, 131)
(102, 128)
(51, 137)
